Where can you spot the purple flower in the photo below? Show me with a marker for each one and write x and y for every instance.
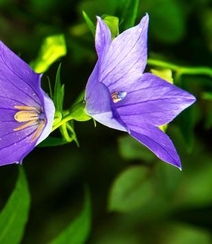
(119, 95)
(26, 112)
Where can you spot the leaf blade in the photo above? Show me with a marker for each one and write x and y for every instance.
(78, 231)
(14, 215)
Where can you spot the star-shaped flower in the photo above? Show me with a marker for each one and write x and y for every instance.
(26, 111)
(121, 96)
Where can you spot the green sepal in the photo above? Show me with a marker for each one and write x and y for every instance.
(127, 10)
(59, 90)
(67, 127)
(57, 117)
(68, 133)
(113, 23)
(78, 112)
(89, 22)
(52, 49)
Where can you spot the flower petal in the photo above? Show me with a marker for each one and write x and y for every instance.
(15, 145)
(20, 86)
(49, 110)
(18, 80)
(96, 95)
(157, 141)
(126, 58)
(153, 101)
(102, 38)
(99, 103)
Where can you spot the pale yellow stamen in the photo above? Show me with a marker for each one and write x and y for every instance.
(24, 116)
(30, 115)
(26, 108)
(30, 123)
(38, 131)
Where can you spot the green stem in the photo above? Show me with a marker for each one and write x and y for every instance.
(64, 120)
(181, 70)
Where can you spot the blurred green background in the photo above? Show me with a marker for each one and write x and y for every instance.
(135, 197)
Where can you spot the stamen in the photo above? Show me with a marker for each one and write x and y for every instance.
(24, 116)
(118, 96)
(26, 108)
(33, 117)
(30, 123)
(38, 131)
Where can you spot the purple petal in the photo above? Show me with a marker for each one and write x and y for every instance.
(17, 79)
(102, 38)
(120, 96)
(20, 86)
(153, 100)
(15, 145)
(97, 95)
(49, 110)
(126, 58)
(99, 103)
(157, 141)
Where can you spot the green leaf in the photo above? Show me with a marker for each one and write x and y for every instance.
(89, 22)
(195, 190)
(186, 124)
(99, 7)
(174, 11)
(127, 10)
(14, 215)
(131, 149)
(77, 232)
(207, 95)
(175, 233)
(208, 120)
(187, 120)
(131, 190)
(206, 23)
(51, 50)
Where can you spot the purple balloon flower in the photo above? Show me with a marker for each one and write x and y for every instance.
(26, 111)
(119, 95)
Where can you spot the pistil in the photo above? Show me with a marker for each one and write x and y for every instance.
(118, 96)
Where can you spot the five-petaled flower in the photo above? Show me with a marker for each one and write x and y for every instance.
(121, 96)
(26, 111)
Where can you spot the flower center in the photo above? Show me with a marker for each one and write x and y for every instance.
(30, 116)
(118, 96)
